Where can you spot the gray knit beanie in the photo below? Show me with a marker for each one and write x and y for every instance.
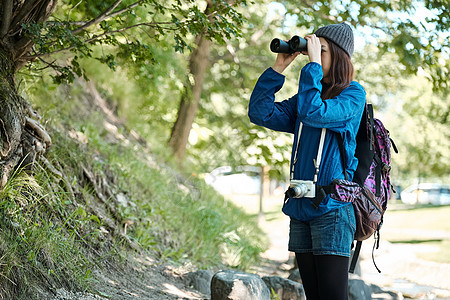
(341, 34)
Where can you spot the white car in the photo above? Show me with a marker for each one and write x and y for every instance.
(426, 193)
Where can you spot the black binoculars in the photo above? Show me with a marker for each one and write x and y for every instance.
(295, 44)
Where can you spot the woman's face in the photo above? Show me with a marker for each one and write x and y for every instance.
(326, 58)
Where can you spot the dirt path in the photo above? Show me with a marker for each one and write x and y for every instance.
(142, 277)
(402, 271)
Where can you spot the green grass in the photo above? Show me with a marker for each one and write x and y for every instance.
(35, 243)
(420, 226)
(425, 217)
(55, 228)
(442, 255)
(183, 218)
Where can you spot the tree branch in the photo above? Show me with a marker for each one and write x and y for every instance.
(98, 19)
(124, 10)
(46, 10)
(25, 43)
(152, 24)
(116, 13)
(23, 46)
(6, 18)
(107, 14)
(26, 9)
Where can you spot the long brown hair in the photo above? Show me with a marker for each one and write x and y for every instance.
(341, 71)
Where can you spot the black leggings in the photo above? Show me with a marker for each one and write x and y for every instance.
(324, 277)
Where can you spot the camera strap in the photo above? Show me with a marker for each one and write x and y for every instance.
(319, 154)
(317, 161)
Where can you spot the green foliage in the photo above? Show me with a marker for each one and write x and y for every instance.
(419, 124)
(157, 201)
(418, 37)
(129, 28)
(180, 219)
(37, 240)
(274, 295)
(222, 133)
(148, 95)
(56, 226)
(146, 45)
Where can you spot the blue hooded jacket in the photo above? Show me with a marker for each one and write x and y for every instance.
(341, 114)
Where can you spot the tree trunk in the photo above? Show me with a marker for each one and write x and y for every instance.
(12, 118)
(190, 99)
(21, 135)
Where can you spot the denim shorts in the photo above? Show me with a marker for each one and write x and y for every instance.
(329, 234)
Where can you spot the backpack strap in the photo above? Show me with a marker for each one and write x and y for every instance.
(376, 244)
(355, 257)
(393, 145)
(371, 123)
(321, 192)
(342, 151)
(378, 175)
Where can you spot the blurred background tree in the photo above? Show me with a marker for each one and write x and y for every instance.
(36, 32)
(394, 43)
(206, 56)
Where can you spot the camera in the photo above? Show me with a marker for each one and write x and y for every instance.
(301, 188)
(295, 44)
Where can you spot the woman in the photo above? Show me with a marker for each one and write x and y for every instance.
(327, 98)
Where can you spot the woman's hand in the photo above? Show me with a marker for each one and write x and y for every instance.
(283, 61)
(314, 49)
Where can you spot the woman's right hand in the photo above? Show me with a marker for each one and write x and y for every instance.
(283, 61)
(314, 50)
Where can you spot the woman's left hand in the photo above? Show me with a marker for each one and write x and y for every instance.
(314, 50)
(283, 61)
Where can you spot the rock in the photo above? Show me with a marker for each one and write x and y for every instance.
(358, 290)
(200, 280)
(379, 293)
(295, 276)
(286, 289)
(235, 285)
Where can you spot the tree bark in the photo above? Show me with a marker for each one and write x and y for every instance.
(22, 137)
(190, 99)
(12, 119)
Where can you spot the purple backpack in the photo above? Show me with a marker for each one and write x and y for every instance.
(371, 187)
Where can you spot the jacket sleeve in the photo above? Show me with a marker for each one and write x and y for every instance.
(264, 111)
(332, 113)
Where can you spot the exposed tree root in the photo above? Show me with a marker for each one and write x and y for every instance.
(33, 142)
(40, 131)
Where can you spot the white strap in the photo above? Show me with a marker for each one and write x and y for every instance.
(319, 153)
(300, 127)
